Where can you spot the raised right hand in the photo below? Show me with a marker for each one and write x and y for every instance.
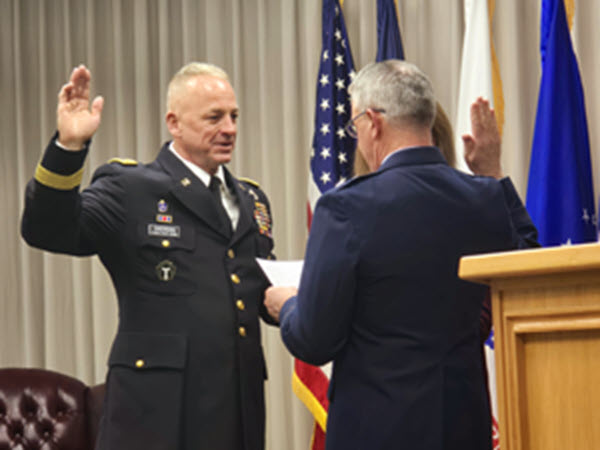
(483, 146)
(75, 121)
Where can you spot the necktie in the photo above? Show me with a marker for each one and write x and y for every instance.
(215, 190)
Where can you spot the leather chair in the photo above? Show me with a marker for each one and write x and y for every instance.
(42, 409)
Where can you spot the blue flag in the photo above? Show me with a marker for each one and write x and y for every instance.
(389, 41)
(333, 150)
(560, 196)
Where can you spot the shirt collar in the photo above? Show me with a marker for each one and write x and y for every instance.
(202, 174)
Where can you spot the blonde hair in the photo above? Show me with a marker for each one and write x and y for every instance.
(193, 69)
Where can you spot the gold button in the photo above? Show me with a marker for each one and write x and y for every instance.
(235, 278)
(231, 254)
(139, 363)
(240, 305)
(166, 243)
(242, 331)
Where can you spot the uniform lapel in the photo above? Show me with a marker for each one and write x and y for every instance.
(190, 191)
(246, 205)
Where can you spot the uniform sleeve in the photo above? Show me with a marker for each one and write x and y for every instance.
(264, 241)
(315, 324)
(527, 236)
(57, 217)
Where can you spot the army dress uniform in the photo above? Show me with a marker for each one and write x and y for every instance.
(186, 368)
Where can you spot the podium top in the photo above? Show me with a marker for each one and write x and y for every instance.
(521, 263)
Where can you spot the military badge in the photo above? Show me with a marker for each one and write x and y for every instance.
(172, 231)
(162, 206)
(164, 218)
(263, 219)
(165, 270)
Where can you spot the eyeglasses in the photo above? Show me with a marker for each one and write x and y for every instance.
(351, 128)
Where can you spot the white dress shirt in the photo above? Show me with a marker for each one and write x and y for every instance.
(227, 198)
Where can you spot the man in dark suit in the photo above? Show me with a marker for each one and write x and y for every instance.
(379, 294)
(179, 237)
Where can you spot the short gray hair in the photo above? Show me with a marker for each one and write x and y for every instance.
(193, 69)
(398, 87)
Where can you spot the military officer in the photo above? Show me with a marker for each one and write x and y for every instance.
(179, 237)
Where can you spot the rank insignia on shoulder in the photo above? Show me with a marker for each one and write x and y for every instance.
(164, 218)
(123, 161)
(253, 194)
(263, 219)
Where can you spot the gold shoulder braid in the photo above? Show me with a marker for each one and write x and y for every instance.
(123, 161)
(249, 181)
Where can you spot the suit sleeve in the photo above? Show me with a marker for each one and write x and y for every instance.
(525, 237)
(315, 324)
(57, 217)
(526, 232)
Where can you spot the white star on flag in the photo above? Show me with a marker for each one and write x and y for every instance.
(325, 104)
(325, 177)
(325, 152)
(325, 129)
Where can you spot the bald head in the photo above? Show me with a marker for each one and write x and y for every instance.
(179, 84)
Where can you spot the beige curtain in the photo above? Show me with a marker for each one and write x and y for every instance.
(60, 312)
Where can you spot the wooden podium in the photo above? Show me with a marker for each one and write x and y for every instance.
(546, 315)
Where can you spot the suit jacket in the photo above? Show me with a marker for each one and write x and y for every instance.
(380, 296)
(186, 369)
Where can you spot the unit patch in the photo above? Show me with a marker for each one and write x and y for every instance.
(263, 219)
(172, 231)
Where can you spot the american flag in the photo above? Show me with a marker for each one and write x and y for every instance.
(331, 162)
(332, 152)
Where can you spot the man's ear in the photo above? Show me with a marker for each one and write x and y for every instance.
(376, 123)
(172, 124)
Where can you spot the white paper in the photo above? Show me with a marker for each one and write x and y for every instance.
(282, 273)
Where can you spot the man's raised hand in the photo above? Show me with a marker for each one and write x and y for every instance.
(76, 121)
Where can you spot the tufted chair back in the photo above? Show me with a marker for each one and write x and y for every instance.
(41, 409)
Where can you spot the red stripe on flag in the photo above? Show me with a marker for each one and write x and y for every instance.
(318, 438)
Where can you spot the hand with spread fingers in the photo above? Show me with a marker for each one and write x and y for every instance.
(482, 147)
(76, 121)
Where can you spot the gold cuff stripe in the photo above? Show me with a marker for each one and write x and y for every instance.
(57, 181)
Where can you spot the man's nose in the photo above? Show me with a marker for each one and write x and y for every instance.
(229, 125)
